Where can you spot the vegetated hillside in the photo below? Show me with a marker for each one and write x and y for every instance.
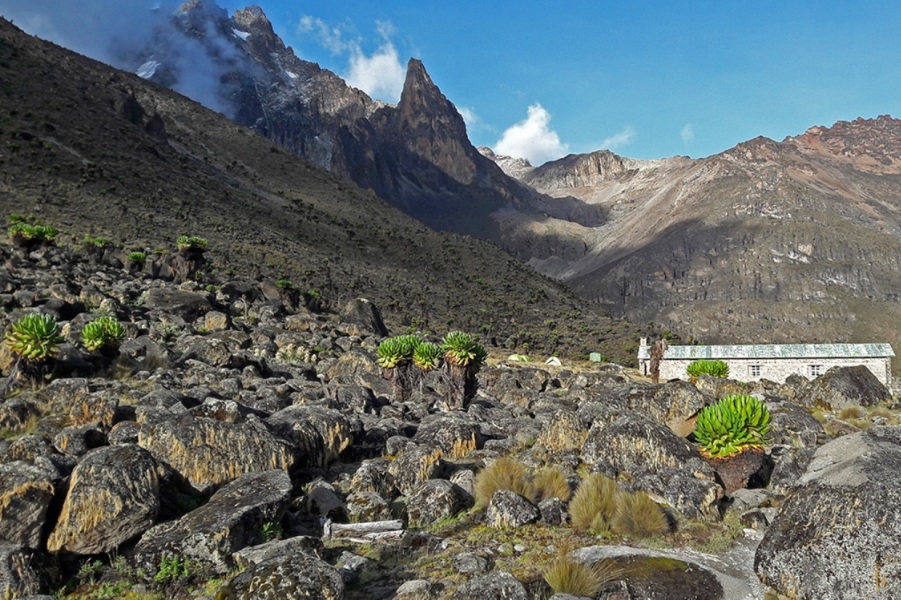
(798, 241)
(93, 150)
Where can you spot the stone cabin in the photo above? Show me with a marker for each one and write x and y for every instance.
(775, 362)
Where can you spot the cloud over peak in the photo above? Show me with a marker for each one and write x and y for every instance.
(532, 138)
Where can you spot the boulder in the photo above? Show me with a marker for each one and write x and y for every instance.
(373, 476)
(509, 509)
(295, 576)
(415, 589)
(843, 387)
(254, 555)
(98, 409)
(364, 507)
(364, 318)
(209, 453)
(113, 496)
(498, 585)
(186, 305)
(837, 535)
(233, 519)
(455, 435)
(318, 434)
(563, 433)
(76, 441)
(434, 500)
(414, 466)
(23, 572)
(25, 494)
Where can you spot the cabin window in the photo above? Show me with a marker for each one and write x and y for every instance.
(816, 370)
(754, 370)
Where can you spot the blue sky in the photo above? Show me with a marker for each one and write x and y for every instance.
(644, 79)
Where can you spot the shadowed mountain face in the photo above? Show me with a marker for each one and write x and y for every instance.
(93, 150)
(416, 155)
(798, 240)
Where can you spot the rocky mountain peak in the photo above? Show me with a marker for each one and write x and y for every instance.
(431, 126)
(514, 167)
(871, 145)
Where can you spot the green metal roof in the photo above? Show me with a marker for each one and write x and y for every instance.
(779, 351)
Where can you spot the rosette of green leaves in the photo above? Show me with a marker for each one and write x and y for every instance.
(427, 356)
(462, 350)
(397, 350)
(34, 337)
(192, 242)
(36, 233)
(104, 332)
(733, 425)
(713, 368)
(137, 257)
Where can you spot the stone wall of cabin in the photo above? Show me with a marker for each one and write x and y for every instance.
(778, 369)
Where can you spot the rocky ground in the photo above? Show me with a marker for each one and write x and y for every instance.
(243, 444)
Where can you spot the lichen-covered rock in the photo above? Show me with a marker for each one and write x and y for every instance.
(113, 496)
(455, 435)
(23, 572)
(414, 466)
(434, 500)
(364, 507)
(564, 433)
(842, 387)
(554, 512)
(509, 509)
(364, 318)
(498, 585)
(693, 493)
(792, 425)
(186, 305)
(373, 476)
(76, 441)
(296, 576)
(676, 404)
(254, 555)
(97, 409)
(837, 535)
(415, 589)
(209, 453)
(233, 519)
(319, 434)
(25, 495)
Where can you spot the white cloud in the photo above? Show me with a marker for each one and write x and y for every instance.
(687, 134)
(619, 139)
(380, 75)
(532, 138)
(469, 116)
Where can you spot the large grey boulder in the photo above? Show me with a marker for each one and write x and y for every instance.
(294, 576)
(498, 585)
(364, 318)
(842, 387)
(455, 435)
(318, 434)
(509, 509)
(837, 536)
(434, 500)
(656, 460)
(24, 572)
(114, 495)
(25, 495)
(209, 453)
(414, 466)
(232, 519)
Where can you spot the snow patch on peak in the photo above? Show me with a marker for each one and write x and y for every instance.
(147, 70)
(291, 75)
(241, 35)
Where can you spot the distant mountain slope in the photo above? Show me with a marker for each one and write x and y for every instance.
(416, 155)
(798, 240)
(91, 149)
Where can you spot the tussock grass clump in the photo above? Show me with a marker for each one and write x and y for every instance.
(637, 515)
(503, 474)
(594, 504)
(550, 482)
(852, 412)
(567, 576)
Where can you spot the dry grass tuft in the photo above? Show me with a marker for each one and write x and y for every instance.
(852, 412)
(566, 576)
(503, 474)
(550, 482)
(637, 515)
(594, 503)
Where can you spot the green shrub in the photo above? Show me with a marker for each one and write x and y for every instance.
(594, 504)
(503, 474)
(36, 234)
(462, 350)
(427, 356)
(637, 515)
(192, 242)
(104, 332)
(172, 569)
(137, 258)
(713, 368)
(98, 241)
(397, 350)
(566, 576)
(550, 482)
(733, 425)
(34, 337)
